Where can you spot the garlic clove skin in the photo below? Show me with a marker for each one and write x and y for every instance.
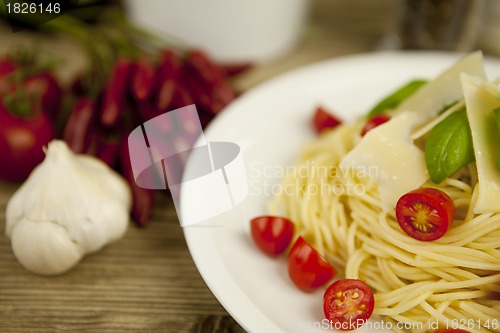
(115, 188)
(38, 246)
(70, 205)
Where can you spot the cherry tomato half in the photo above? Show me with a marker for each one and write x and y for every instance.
(425, 214)
(307, 268)
(348, 304)
(323, 120)
(272, 234)
(374, 122)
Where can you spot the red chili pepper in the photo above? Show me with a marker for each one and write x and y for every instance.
(142, 209)
(80, 126)
(76, 87)
(143, 199)
(223, 94)
(201, 93)
(236, 69)
(147, 111)
(208, 81)
(142, 79)
(205, 117)
(166, 95)
(108, 152)
(86, 84)
(166, 78)
(182, 97)
(204, 95)
(208, 70)
(115, 92)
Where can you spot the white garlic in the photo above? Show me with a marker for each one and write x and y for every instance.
(71, 205)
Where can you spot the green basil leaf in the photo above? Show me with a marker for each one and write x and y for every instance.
(448, 146)
(394, 99)
(497, 115)
(449, 105)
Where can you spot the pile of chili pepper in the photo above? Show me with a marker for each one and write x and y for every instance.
(131, 78)
(136, 91)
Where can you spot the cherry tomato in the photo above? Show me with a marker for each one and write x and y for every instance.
(323, 120)
(21, 142)
(425, 214)
(307, 268)
(374, 122)
(272, 234)
(348, 304)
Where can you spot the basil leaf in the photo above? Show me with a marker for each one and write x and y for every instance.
(394, 99)
(448, 146)
(497, 115)
(447, 106)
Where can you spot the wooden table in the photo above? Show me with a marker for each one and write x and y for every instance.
(147, 281)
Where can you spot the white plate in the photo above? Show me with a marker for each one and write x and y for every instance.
(270, 123)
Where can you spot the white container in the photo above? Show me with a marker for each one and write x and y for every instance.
(232, 31)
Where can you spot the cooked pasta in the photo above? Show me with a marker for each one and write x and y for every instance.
(451, 280)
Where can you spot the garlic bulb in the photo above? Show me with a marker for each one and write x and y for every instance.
(71, 205)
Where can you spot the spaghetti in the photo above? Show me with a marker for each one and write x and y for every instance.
(453, 280)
